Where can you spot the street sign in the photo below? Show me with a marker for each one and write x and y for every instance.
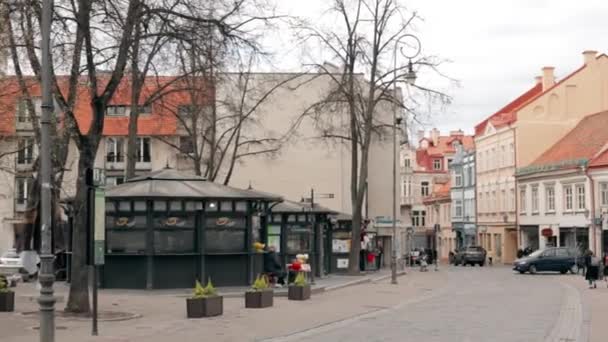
(99, 227)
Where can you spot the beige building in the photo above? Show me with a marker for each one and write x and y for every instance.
(305, 162)
(518, 133)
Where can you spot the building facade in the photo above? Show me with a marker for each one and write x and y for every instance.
(563, 194)
(422, 169)
(463, 196)
(439, 228)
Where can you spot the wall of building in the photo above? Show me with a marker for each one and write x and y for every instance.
(543, 217)
(542, 122)
(7, 198)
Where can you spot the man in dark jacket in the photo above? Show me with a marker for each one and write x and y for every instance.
(272, 265)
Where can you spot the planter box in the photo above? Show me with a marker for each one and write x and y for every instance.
(298, 292)
(7, 301)
(205, 307)
(259, 299)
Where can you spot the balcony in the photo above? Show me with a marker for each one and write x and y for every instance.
(407, 200)
(121, 165)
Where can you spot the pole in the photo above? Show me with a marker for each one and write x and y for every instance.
(314, 231)
(46, 277)
(95, 331)
(394, 244)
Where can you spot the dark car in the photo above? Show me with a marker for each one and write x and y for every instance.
(470, 256)
(554, 259)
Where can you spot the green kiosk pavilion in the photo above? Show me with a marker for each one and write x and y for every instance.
(167, 229)
(299, 228)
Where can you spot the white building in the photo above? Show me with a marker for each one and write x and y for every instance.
(563, 195)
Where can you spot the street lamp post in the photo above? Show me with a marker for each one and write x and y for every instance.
(410, 78)
(46, 276)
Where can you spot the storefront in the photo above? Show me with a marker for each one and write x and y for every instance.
(297, 228)
(167, 229)
(339, 239)
(574, 237)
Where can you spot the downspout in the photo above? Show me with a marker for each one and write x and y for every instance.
(516, 189)
(585, 170)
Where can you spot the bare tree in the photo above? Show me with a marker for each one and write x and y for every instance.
(362, 40)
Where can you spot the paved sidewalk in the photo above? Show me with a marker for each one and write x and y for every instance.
(595, 308)
(164, 312)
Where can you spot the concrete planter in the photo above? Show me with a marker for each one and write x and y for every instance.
(205, 307)
(7, 301)
(298, 292)
(259, 299)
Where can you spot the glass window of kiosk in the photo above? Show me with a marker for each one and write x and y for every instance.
(299, 239)
(125, 229)
(274, 236)
(225, 235)
(174, 234)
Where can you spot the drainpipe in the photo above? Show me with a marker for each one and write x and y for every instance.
(516, 190)
(592, 204)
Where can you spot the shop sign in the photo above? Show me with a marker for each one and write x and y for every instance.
(100, 227)
(547, 232)
(342, 263)
(224, 222)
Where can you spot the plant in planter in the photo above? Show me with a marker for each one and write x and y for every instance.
(260, 295)
(205, 302)
(300, 289)
(7, 297)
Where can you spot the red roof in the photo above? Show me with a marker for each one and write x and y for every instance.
(162, 120)
(445, 145)
(441, 191)
(506, 115)
(587, 141)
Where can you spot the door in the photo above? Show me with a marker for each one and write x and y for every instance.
(563, 260)
(546, 262)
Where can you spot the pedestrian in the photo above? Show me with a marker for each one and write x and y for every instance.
(272, 266)
(587, 255)
(593, 268)
(423, 261)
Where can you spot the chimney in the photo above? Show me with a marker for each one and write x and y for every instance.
(538, 79)
(435, 136)
(420, 135)
(548, 77)
(590, 57)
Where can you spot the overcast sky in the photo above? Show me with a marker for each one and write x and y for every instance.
(496, 48)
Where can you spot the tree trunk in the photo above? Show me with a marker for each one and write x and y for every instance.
(78, 300)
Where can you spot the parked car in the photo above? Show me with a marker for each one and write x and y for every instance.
(470, 256)
(555, 259)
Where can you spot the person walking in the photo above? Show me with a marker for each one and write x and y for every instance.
(592, 273)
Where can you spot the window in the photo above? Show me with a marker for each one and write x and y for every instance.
(418, 218)
(22, 188)
(186, 145)
(471, 175)
(522, 200)
(436, 164)
(503, 155)
(535, 199)
(550, 198)
(511, 154)
(458, 208)
(493, 160)
(115, 150)
(604, 194)
(225, 235)
(512, 200)
(145, 110)
(25, 153)
(504, 201)
(143, 150)
(424, 189)
(116, 111)
(174, 234)
(568, 199)
(407, 162)
(274, 236)
(114, 181)
(495, 203)
(457, 178)
(298, 239)
(481, 202)
(449, 163)
(580, 197)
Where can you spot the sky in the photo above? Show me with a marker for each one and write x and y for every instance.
(495, 48)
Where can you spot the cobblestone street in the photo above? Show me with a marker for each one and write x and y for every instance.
(477, 304)
(455, 304)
